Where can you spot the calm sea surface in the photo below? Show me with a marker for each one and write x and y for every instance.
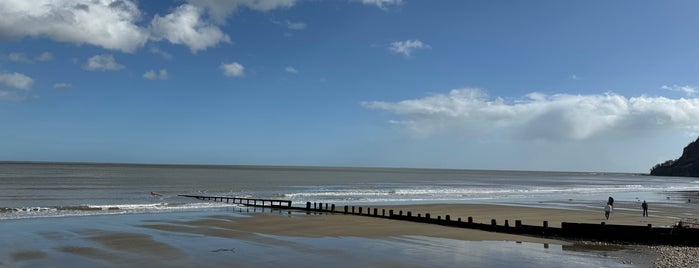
(53, 189)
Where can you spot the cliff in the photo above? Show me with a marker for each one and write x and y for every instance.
(685, 166)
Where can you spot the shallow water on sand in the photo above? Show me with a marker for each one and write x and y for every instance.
(125, 240)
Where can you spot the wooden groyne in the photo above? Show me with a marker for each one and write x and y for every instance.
(255, 202)
(677, 235)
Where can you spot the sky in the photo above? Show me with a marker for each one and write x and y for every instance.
(598, 86)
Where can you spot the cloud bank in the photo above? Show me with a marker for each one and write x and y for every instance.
(542, 117)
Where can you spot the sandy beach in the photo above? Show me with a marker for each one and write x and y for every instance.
(185, 241)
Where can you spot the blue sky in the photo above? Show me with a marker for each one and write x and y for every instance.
(526, 85)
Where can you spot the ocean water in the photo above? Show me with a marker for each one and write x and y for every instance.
(50, 213)
(38, 190)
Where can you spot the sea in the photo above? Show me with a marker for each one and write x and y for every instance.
(40, 198)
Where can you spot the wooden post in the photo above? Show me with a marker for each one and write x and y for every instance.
(427, 216)
(546, 224)
(352, 209)
(507, 223)
(493, 222)
(360, 210)
(518, 224)
(390, 213)
(383, 212)
(308, 205)
(439, 217)
(332, 207)
(410, 214)
(346, 209)
(376, 211)
(447, 218)
(470, 220)
(459, 219)
(400, 213)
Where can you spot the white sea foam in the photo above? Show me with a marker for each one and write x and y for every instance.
(85, 210)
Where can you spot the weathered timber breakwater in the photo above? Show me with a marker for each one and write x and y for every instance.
(676, 235)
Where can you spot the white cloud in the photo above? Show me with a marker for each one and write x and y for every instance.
(407, 47)
(9, 96)
(103, 63)
(290, 69)
(18, 57)
(218, 10)
(383, 4)
(185, 26)
(233, 69)
(156, 50)
(46, 56)
(542, 117)
(62, 85)
(152, 75)
(688, 90)
(120, 25)
(291, 25)
(16, 80)
(21, 57)
(106, 23)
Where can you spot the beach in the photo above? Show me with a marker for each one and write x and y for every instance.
(95, 215)
(221, 238)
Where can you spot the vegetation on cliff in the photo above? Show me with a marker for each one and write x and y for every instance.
(686, 166)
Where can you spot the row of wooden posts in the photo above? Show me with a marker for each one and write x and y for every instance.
(603, 232)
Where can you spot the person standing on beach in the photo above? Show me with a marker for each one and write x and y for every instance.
(607, 210)
(645, 208)
(610, 202)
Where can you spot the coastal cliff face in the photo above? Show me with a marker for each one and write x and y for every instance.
(685, 166)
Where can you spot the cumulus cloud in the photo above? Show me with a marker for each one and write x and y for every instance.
(542, 117)
(16, 80)
(218, 10)
(110, 24)
(407, 47)
(120, 25)
(688, 90)
(186, 26)
(152, 75)
(383, 4)
(291, 70)
(233, 69)
(102, 63)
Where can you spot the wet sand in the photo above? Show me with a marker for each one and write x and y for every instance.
(172, 241)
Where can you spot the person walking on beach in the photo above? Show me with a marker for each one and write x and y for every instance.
(610, 201)
(607, 210)
(645, 208)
